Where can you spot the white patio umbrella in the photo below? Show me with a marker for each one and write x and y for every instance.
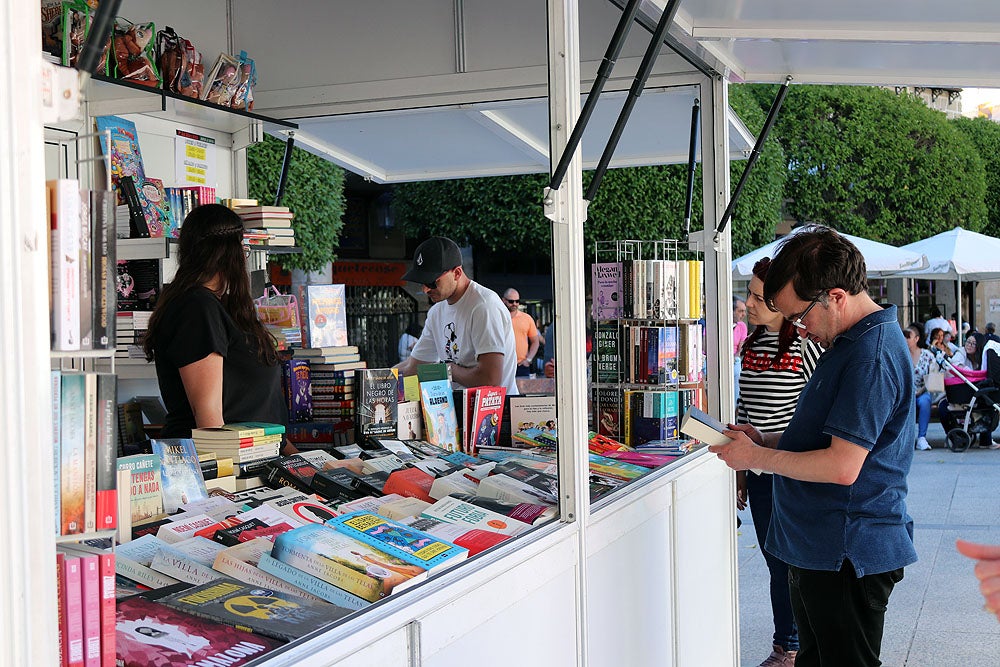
(881, 259)
(957, 255)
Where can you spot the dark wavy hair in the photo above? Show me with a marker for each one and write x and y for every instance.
(786, 335)
(815, 260)
(211, 245)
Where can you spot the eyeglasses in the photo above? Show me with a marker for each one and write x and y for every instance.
(512, 300)
(797, 322)
(434, 284)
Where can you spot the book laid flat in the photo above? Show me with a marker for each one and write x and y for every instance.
(405, 543)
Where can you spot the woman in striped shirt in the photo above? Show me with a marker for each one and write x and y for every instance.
(777, 364)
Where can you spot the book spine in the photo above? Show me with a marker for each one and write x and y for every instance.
(90, 453)
(182, 569)
(72, 447)
(141, 574)
(87, 285)
(106, 568)
(363, 585)
(64, 218)
(71, 601)
(104, 269)
(314, 585)
(55, 391)
(90, 594)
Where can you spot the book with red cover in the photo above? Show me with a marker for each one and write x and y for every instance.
(410, 482)
(486, 419)
(71, 604)
(107, 449)
(150, 634)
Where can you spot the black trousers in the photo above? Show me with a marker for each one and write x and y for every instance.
(840, 617)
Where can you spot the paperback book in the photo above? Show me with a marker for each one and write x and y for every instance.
(440, 422)
(486, 418)
(180, 472)
(401, 541)
(325, 321)
(376, 412)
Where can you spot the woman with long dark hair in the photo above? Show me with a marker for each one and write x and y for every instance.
(215, 362)
(777, 364)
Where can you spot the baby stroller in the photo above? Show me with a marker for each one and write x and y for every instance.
(974, 394)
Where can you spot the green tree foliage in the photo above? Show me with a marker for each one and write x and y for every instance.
(875, 164)
(505, 213)
(985, 136)
(314, 192)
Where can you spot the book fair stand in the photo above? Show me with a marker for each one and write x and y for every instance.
(432, 90)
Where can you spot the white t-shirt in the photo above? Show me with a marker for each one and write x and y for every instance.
(477, 324)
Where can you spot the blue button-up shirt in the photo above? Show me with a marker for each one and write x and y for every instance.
(862, 392)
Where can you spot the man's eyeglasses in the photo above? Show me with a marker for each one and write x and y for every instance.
(797, 322)
(512, 300)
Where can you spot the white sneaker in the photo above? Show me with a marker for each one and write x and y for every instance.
(922, 444)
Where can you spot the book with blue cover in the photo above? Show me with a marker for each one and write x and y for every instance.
(403, 542)
(310, 584)
(440, 422)
(180, 473)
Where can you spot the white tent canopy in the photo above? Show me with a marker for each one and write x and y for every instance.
(881, 259)
(958, 254)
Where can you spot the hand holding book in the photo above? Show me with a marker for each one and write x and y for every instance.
(735, 451)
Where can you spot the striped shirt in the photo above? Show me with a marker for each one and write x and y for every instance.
(769, 389)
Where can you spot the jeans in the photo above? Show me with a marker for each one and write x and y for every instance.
(840, 616)
(923, 413)
(760, 495)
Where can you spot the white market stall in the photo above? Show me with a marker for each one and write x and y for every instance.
(658, 562)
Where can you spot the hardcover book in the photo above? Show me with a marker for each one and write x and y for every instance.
(440, 423)
(376, 413)
(298, 389)
(249, 608)
(325, 321)
(345, 562)
(405, 543)
(150, 634)
(180, 472)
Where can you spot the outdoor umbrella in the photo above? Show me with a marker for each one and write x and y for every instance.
(957, 255)
(882, 260)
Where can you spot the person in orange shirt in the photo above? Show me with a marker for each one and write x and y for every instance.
(526, 336)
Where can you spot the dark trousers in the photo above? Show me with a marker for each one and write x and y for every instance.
(760, 493)
(840, 617)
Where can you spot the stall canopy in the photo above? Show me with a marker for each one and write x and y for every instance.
(958, 255)
(881, 259)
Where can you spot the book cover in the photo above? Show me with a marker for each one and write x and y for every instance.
(150, 634)
(473, 539)
(180, 472)
(376, 412)
(302, 509)
(607, 411)
(704, 427)
(106, 448)
(345, 562)
(325, 323)
(411, 483)
(409, 421)
(606, 288)
(293, 471)
(189, 560)
(126, 158)
(183, 527)
(455, 511)
(440, 422)
(145, 491)
(401, 541)
(263, 612)
(298, 390)
(487, 417)
(155, 207)
(72, 446)
(338, 485)
(309, 583)
(607, 354)
(533, 412)
(241, 562)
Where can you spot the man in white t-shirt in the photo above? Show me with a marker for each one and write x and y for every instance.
(468, 327)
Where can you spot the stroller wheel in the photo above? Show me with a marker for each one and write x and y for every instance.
(958, 440)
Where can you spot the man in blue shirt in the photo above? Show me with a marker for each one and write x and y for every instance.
(840, 467)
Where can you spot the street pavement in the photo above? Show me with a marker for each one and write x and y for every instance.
(936, 616)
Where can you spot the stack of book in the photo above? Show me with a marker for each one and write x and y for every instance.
(332, 393)
(269, 225)
(251, 445)
(131, 328)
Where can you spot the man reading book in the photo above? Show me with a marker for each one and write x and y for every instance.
(839, 517)
(467, 327)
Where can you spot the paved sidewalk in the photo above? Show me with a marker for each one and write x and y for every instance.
(936, 616)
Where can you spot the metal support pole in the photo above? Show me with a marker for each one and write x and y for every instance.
(286, 163)
(638, 83)
(603, 73)
(772, 117)
(692, 162)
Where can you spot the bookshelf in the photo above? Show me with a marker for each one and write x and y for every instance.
(647, 353)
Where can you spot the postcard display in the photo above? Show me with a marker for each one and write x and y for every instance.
(644, 539)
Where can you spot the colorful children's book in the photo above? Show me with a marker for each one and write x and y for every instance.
(325, 323)
(180, 472)
(155, 207)
(126, 158)
(401, 541)
(150, 633)
(440, 425)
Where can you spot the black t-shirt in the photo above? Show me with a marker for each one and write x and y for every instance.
(193, 326)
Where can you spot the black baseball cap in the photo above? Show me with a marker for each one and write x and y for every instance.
(432, 258)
